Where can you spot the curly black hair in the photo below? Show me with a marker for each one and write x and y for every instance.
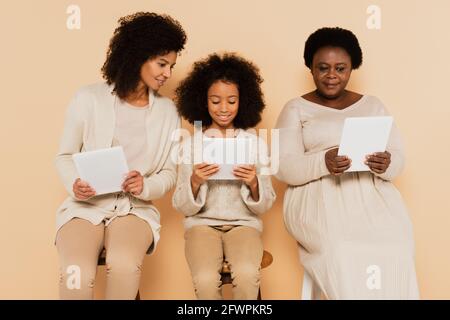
(334, 37)
(192, 93)
(139, 37)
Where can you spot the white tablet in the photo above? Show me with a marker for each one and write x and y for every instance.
(227, 153)
(362, 136)
(104, 169)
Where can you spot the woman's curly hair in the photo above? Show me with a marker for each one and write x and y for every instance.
(334, 37)
(139, 37)
(192, 93)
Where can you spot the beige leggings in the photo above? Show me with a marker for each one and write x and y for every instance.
(79, 243)
(206, 247)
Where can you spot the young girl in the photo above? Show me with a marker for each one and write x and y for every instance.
(223, 216)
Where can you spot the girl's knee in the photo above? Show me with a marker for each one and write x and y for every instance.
(246, 272)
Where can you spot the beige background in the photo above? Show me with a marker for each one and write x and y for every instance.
(43, 64)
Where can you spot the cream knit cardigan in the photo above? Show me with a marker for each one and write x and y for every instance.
(89, 125)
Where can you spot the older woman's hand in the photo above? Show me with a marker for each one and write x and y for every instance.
(336, 165)
(134, 183)
(82, 190)
(378, 162)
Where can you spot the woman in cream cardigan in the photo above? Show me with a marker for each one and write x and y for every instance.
(223, 216)
(125, 111)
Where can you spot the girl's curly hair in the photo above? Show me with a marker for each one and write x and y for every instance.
(192, 93)
(139, 37)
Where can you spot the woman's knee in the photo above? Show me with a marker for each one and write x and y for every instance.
(124, 262)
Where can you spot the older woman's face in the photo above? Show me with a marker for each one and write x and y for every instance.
(155, 71)
(331, 69)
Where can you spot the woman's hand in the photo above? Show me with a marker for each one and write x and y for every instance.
(200, 174)
(134, 183)
(247, 173)
(82, 190)
(378, 162)
(336, 165)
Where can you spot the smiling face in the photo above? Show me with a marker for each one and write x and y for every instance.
(155, 71)
(223, 104)
(331, 69)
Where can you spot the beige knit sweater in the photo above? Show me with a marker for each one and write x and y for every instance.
(222, 202)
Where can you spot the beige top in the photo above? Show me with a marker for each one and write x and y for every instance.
(222, 202)
(89, 125)
(348, 227)
(130, 132)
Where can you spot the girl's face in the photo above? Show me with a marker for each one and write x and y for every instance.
(155, 71)
(331, 70)
(223, 104)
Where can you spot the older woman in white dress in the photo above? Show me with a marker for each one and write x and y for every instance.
(354, 232)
